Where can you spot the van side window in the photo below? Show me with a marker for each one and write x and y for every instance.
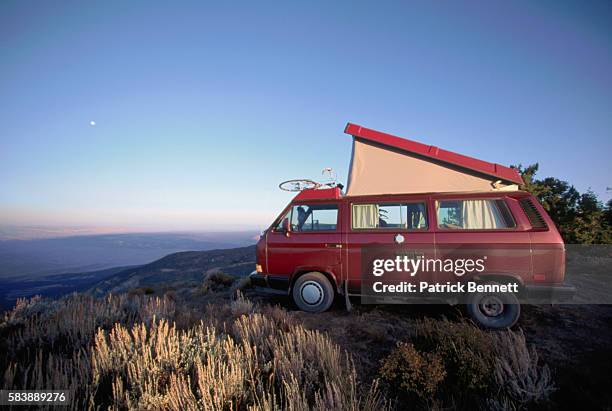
(410, 216)
(485, 214)
(319, 217)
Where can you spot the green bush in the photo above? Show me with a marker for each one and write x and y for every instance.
(141, 291)
(466, 350)
(244, 283)
(482, 364)
(413, 372)
(216, 281)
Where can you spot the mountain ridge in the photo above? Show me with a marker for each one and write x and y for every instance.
(183, 268)
(187, 267)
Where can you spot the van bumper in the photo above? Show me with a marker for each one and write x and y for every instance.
(270, 284)
(550, 293)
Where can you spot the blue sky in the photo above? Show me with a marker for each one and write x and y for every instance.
(201, 109)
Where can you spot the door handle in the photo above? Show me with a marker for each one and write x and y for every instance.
(333, 245)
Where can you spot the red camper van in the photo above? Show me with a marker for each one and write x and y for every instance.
(406, 198)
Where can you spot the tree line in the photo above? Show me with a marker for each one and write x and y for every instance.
(582, 218)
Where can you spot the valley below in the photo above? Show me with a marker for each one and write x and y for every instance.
(56, 266)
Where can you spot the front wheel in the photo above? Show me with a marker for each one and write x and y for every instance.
(494, 310)
(313, 292)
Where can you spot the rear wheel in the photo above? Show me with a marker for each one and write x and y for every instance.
(494, 310)
(313, 292)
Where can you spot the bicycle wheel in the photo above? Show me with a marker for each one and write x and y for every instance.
(298, 185)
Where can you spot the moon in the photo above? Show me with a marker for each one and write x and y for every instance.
(92, 123)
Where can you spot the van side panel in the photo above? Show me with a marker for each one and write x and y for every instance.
(548, 250)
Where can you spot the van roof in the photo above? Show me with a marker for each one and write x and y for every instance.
(336, 194)
(319, 194)
(435, 153)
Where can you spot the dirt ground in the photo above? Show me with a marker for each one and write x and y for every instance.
(576, 342)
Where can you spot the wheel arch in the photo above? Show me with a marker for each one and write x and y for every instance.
(305, 270)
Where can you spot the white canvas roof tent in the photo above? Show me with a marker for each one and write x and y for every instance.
(385, 164)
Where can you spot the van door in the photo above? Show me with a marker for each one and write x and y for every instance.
(312, 244)
(383, 228)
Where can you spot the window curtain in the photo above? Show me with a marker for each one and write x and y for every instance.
(365, 216)
(481, 214)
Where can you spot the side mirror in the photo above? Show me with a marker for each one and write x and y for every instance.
(286, 227)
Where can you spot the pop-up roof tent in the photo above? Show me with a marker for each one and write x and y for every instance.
(386, 164)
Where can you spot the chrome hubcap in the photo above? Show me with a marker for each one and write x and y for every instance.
(311, 292)
(491, 306)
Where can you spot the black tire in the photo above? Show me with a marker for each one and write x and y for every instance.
(312, 292)
(494, 310)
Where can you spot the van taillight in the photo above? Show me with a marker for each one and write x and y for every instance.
(535, 218)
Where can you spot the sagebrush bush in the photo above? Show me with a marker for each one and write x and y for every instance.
(243, 284)
(128, 353)
(518, 372)
(141, 291)
(70, 322)
(200, 369)
(413, 372)
(215, 280)
(240, 305)
(46, 343)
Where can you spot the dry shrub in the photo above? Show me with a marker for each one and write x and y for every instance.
(466, 350)
(170, 295)
(70, 322)
(243, 284)
(46, 371)
(141, 291)
(149, 361)
(24, 309)
(414, 372)
(45, 343)
(480, 364)
(215, 280)
(126, 352)
(199, 369)
(240, 305)
(518, 371)
(281, 317)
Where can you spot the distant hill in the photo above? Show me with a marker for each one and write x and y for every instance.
(37, 258)
(179, 269)
(52, 285)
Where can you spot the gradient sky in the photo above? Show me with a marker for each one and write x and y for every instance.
(201, 109)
